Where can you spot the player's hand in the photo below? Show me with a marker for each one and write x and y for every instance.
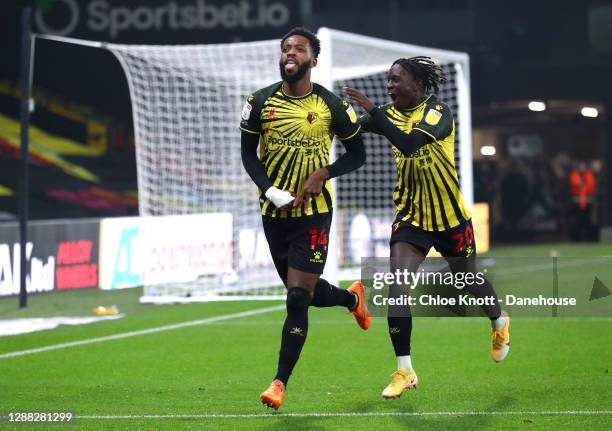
(311, 188)
(359, 98)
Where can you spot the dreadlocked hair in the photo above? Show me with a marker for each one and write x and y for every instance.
(424, 69)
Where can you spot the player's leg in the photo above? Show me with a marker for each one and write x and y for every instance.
(353, 298)
(500, 321)
(399, 318)
(409, 246)
(276, 235)
(274, 230)
(293, 336)
(458, 246)
(307, 254)
(403, 256)
(326, 294)
(281, 264)
(484, 290)
(306, 261)
(295, 329)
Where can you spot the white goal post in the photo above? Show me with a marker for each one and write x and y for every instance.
(186, 103)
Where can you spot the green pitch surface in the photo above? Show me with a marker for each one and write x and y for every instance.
(208, 374)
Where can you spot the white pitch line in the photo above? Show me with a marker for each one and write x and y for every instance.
(351, 322)
(345, 414)
(548, 265)
(143, 332)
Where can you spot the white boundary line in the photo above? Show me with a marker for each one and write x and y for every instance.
(142, 332)
(345, 414)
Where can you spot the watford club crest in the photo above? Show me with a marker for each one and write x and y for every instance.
(271, 113)
(312, 117)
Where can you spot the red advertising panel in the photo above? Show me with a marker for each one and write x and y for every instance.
(61, 254)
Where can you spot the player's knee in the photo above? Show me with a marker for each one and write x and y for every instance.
(298, 299)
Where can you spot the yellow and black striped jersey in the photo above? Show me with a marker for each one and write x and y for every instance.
(296, 135)
(427, 193)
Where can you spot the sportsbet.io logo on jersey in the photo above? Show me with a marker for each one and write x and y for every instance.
(274, 139)
(104, 19)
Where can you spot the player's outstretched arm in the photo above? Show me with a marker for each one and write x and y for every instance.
(407, 143)
(367, 125)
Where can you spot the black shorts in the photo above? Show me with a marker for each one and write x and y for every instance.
(456, 242)
(299, 242)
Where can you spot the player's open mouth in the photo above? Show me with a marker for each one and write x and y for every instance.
(393, 96)
(291, 66)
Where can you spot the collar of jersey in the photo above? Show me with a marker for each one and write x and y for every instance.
(416, 107)
(297, 97)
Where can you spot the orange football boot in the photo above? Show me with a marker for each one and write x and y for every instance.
(361, 312)
(273, 396)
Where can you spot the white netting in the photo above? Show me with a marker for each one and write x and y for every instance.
(186, 103)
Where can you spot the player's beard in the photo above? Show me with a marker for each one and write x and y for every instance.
(299, 74)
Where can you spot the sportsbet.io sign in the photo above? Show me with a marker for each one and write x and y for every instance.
(187, 21)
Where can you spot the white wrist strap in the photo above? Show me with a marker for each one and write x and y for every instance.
(279, 197)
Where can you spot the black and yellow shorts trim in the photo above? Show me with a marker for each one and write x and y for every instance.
(301, 241)
(455, 242)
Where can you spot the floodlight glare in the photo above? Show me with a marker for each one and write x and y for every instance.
(537, 106)
(488, 150)
(589, 111)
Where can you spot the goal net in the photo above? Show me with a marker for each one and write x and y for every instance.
(186, 103)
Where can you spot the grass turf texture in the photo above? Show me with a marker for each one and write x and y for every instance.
(557, 364)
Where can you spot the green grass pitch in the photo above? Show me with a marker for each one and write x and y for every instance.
(208, 376)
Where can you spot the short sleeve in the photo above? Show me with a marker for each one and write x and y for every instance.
(250, 117)
(437, 121)
(344, 119)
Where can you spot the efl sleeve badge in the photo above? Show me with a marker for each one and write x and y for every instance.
(246, 111)
(433, 117)
(351, 113)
